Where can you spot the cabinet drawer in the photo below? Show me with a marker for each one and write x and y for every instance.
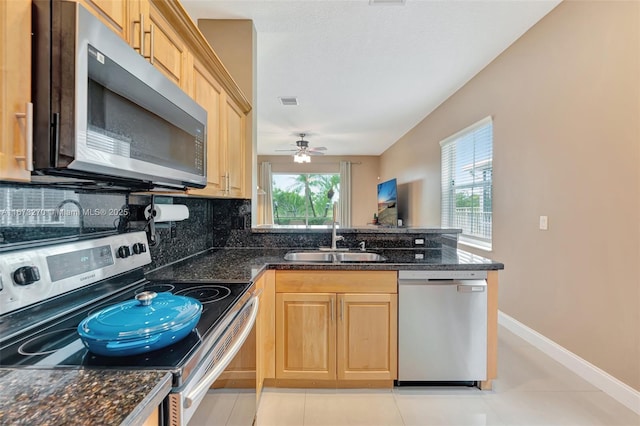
(337, 281)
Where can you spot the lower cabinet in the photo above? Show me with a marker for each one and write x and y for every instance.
(367, 336)
(347, 333)
(305, 336)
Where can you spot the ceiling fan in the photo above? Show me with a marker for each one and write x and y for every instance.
(303, 151)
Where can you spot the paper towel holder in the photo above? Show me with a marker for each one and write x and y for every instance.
(151, 233)
(166, 212)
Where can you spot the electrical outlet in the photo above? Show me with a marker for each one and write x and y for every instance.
(544, 223)
(419, 256)
(419, 241)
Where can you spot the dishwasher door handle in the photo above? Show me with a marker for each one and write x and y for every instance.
(471, 288)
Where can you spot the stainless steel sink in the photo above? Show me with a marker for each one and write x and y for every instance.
(359, 257)
(309, 256)
(328, 256)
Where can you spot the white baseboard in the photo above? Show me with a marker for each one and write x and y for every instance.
(613, 387)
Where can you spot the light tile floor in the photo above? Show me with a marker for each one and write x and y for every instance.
(532, 389)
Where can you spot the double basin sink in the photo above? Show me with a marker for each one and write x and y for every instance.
(334, 256)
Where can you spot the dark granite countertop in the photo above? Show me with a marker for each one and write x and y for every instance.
(66, 396)
(245, 264)
(369, 229)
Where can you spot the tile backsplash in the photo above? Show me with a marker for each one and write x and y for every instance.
(31, 214)
(210, 224)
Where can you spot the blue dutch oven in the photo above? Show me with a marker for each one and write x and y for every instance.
(150, 322)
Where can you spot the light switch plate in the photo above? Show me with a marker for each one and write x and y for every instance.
(544, 223)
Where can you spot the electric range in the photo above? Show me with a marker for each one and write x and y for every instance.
(45, 292)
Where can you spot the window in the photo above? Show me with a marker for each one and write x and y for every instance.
(304, 198)
(467, 165)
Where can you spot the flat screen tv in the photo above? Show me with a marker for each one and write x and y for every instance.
(388, 203)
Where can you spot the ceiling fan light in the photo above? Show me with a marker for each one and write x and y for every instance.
(301, 157)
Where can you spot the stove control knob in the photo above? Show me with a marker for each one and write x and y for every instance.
(26, 275)
(139, 248)
(124, 252)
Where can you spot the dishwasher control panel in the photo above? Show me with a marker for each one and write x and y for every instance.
(442, 275)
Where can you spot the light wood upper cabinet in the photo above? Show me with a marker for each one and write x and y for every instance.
(150, 32)
(234, 148)
(15, 89)
(367, 336)
(167, 50)
(225, 136)
(113, 13)
(207, 92)
(305, 336)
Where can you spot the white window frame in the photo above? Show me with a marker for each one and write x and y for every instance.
(480, 221)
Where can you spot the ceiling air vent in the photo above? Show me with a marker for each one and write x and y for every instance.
(377, 2)
(288, 100)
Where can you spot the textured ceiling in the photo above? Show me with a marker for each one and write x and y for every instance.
(366, 74)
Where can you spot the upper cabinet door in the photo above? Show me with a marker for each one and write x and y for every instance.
(235, 144)
(15, 90)
(114, 13)
(208, 93)
(166, 50)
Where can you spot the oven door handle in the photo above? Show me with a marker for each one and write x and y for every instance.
(226, 359)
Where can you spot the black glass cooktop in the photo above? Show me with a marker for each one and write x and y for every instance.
(58, 343)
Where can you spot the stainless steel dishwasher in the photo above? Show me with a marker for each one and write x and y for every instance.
(442, 326)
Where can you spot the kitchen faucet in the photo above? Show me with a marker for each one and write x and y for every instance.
(57, 211)
(335, 238)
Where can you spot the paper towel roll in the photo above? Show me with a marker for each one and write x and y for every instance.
(168, 212)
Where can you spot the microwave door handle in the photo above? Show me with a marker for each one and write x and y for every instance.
(28, 130)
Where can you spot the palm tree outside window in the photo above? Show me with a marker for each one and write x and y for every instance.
(304, 198)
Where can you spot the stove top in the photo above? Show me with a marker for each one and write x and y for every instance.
(44, 333)
(58, 344)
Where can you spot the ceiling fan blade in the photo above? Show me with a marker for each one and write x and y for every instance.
(288, 150)
(317, 148)
(315, 153)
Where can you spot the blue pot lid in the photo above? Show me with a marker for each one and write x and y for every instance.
(150, 313)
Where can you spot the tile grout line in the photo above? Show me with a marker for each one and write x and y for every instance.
(304, 407)
(395, 401)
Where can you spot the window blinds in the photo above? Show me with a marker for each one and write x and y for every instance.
(466, 176)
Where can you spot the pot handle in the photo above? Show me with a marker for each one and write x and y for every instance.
(146, 297)
(136, 344)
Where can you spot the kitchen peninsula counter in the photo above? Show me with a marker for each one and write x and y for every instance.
(245, 264)
(72, 396)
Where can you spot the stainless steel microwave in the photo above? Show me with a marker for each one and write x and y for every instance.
(102, 113)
